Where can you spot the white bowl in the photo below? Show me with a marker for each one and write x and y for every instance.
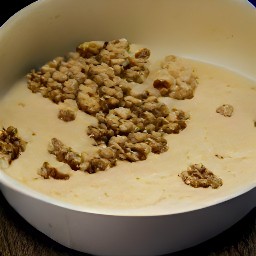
(218, 32)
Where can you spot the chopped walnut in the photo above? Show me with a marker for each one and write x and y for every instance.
(66, 115)
(59, 76)
(176, 79)
(225, 110)
(98, 79)
(137, 151)
(65, 154)
(87, 103)
(157, 143)
(197, 175)
(11, 146)
(100, 164)
(78, 161)
(48, 171)
(89, 49)
(143, 53)
(163, 86)
(107, 153)
(68, 111)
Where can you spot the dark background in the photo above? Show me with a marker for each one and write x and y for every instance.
(9, 7)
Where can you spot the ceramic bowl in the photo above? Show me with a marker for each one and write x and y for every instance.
(218, 32)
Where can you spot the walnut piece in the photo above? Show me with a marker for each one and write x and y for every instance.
(68, 110)
(11, 146)
(65, 154)
(143, 53)
(225, 110)
(175, 79)
(47, 171)
(197, 175)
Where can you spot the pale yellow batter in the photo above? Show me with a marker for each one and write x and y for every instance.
(151, 186)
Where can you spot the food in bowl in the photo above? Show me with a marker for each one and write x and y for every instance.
(113, 129)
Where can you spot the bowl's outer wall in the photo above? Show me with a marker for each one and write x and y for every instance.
(221, 32)
(101, 234)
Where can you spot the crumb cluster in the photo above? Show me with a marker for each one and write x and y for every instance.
(47, 171)
(176, 79)
(98, 79)
(197, 175)
(225, 110)
(11, 146)
(123, 134)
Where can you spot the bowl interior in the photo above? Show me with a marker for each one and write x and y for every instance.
(193, 29)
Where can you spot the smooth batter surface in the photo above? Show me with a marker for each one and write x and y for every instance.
(152, 186)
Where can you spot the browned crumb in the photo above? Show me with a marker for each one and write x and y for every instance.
(163, 86)
(47, 171)
(11, 146)
(65, 154)
(175, 79)
(97, 79)
(143, 53)
(197, 175)
(68, 110)
(225, 110)
(254, 122)
(94, 70)
(66, 115)
(89, 49)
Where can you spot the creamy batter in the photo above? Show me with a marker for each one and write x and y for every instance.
(152, 186)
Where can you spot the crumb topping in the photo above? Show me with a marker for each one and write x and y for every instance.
(68, 110)
(96, 76)
(64, 154)
(11, 146)
(197, 175)
(225, 110)
(98, 79)
(125, 133)
(47, 172)
(175, 79)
